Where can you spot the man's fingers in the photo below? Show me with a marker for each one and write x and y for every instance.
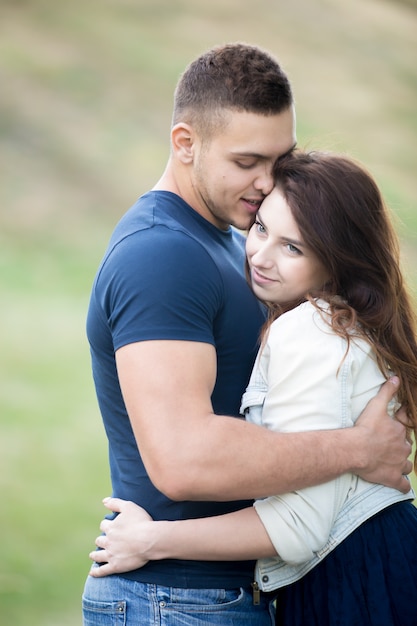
(388, 389)
(404, 485)
(402, 417)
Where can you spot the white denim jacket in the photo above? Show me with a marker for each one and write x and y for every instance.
(305, 379)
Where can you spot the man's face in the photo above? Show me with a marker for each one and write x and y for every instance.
(232, 172)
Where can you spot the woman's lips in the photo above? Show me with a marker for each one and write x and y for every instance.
(259, 278)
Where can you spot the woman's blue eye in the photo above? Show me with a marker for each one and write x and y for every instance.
(293, 249)
(259, 227)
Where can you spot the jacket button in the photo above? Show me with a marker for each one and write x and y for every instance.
(265, 579)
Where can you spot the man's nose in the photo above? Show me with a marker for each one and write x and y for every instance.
(265, 182)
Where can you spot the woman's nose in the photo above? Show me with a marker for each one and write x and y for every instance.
(262, 258)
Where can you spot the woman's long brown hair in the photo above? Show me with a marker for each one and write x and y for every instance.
(342, 217)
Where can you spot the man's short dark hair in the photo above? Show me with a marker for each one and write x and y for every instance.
(234, 76)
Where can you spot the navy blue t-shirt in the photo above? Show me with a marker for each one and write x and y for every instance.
(170, 274)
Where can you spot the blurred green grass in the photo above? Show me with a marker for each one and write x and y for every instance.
(84, 121)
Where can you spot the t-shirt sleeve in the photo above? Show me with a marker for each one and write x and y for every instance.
(159, 284)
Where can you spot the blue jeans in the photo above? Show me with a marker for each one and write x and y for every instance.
(117, 601)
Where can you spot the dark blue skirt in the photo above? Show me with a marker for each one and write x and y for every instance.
(370, 579)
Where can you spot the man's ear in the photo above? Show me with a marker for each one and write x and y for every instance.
(182, 142)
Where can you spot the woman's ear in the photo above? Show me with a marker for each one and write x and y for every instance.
(182, 142)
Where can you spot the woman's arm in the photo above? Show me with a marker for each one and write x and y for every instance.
(310, 383)
(315, 382)
(304, 392)
(132, 539)
(298, 360)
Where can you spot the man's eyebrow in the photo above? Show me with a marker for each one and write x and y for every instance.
(293, 147)
(258, 155)
(253, 155)
(263, 156)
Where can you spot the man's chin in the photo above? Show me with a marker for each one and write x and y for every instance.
(244, 224)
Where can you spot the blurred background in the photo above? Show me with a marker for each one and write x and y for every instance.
(85, 106)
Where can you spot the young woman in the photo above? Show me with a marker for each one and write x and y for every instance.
(323, 256)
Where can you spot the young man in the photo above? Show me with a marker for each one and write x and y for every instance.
(173, 329)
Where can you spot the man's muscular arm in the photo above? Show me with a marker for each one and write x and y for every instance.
(192, 454)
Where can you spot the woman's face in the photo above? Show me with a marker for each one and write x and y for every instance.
(282, 267)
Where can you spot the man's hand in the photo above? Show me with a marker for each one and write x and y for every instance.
(386, 442)
(125, 540)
